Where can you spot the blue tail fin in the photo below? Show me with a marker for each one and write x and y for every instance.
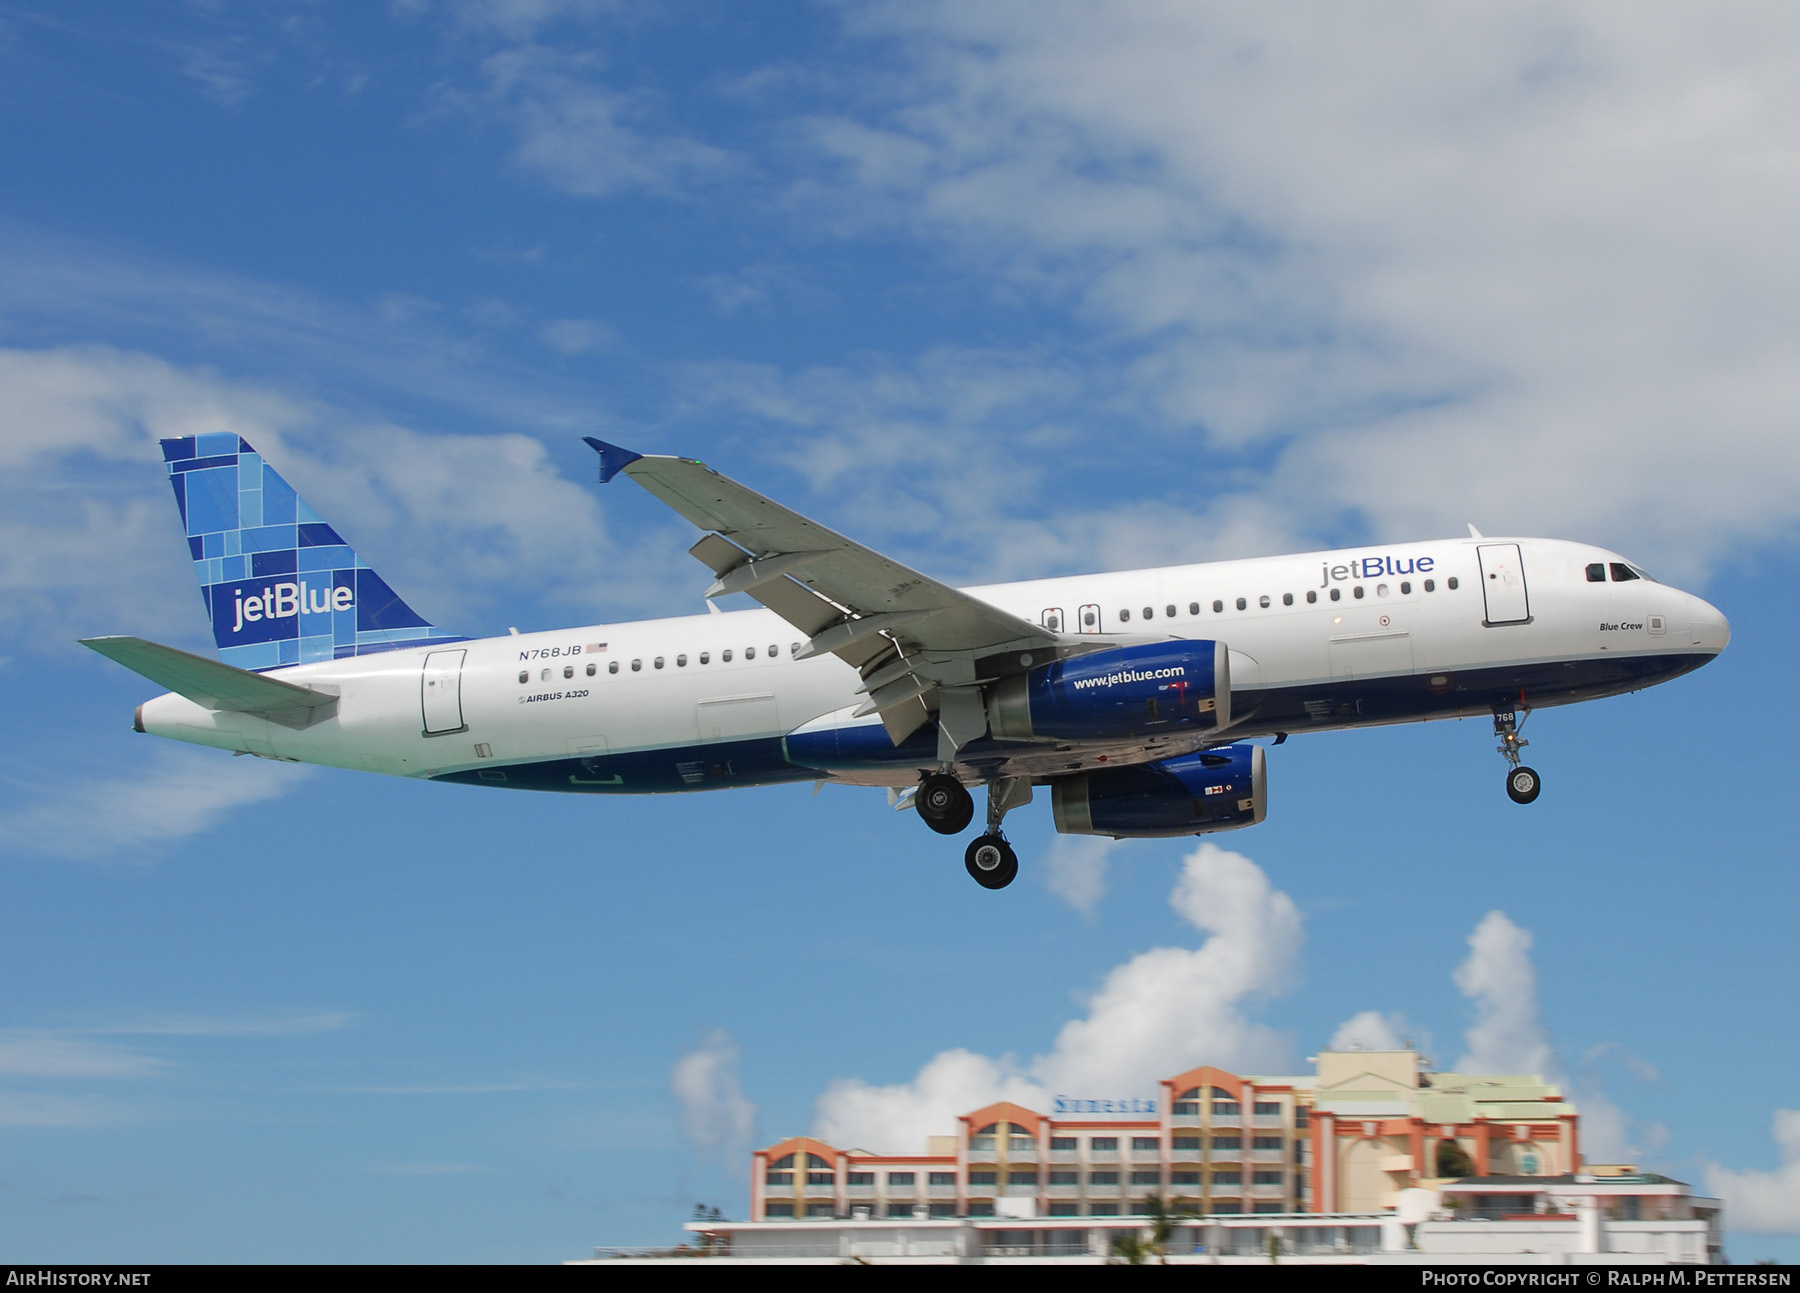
(280, 586)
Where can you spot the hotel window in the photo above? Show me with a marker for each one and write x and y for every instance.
(1227, 1178)
(1187, 1104)
(1190, 1143)
(942, 1210)
(1108, 1143)
(1146, 1178)
(820, 1178)
(900, 1178)
(983, 1178)
(900, 1211)
(1184, 1178)
(1060, 1177)
(1266, 1142)
(942, 1178)
(1062, 1142)
(786, 1160)
(778, 1178)
(1268, 1178)
(820, 1210)
(1227, 1144)
(981, 1209)
(774, 1210)
(1103, 1210)
(1268, 1109)
(813, 1160)
(859, 1178)
(1142, 1143)
(1065, 1209)
(1022, 1176)
(1103, 1178)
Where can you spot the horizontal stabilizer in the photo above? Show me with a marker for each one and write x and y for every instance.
(215, 685)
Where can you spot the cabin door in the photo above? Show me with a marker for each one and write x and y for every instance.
(1503, 583)
(441, 693)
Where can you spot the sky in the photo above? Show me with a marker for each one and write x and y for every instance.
(1004, 290)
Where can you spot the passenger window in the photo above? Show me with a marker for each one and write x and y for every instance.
(794, 648)
(592, 669)
(725, 655)
(658, 662)
(1242, 605)
(1193, 608)
(1263, 601)
(1357, 592)
(1088, 619)
(1381, 590)
(1170, 612)
(612, 667)
(749, 653)
(774, 651)
(1451, 583)
(706, 657)
(1149, 612)
(1431, 585)
(1218, 608)
(1337, 594)
(1621, 572)
(1287, 599)
(637, 666)
(1124, 617)
(1596, 573)
(1405, 587)
(681, 662)
(524, 676)
(568, 671)
(1312, 595)
(544, 676)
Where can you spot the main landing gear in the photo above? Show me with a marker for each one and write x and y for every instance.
(1522, 783)
(948, 808)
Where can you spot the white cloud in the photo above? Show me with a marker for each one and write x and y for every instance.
(586, 136)
(714, 1110)
(1371, 1030)
(136, 816)
(53, 1055)
(1164, 1010)
(1076, 870)
(1764, 1202)
(1508, 1035)
(1404, 250)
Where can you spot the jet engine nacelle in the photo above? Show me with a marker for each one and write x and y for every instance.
(1146, 690)
(1215, 790)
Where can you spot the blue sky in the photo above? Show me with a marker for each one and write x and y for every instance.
(1005, 290)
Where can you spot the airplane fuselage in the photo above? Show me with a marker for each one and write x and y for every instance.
(1316, 641)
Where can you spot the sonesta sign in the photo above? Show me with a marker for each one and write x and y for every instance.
(1076, 1104)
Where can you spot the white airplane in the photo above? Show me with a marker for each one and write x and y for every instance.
(1134, 696)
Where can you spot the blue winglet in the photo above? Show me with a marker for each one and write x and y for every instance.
(613, 459)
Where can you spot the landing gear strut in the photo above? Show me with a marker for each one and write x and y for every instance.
(945, 804)
(1522, 783)
(990, 859)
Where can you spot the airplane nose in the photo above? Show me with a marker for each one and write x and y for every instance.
(1712, 631)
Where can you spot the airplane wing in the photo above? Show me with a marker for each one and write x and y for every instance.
(920, 644)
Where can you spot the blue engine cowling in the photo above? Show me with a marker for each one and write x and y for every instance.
(1146, 690)
(1216, 790)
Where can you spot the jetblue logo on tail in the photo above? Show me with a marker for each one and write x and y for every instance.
(281, 586)
(286, 601)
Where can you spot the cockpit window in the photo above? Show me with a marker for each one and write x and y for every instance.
(1622, 572)
(1596, 573)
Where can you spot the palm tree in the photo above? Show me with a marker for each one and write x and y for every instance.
(1165, 1216)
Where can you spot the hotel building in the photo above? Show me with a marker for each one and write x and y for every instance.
(1347, 1139)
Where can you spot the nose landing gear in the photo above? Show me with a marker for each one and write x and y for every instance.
(1522, 783)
